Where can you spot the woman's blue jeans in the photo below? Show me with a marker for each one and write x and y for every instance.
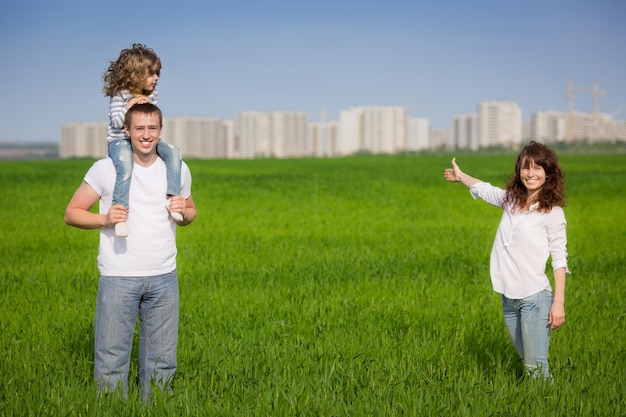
(526, 321)
(120, 301)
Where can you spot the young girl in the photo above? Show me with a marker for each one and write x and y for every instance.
(531, 230)
(131, 79)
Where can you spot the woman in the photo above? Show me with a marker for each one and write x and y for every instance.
(532, 228)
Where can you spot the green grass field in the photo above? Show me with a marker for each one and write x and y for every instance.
(321, 287)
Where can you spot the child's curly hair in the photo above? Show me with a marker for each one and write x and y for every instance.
(130, 70)
(553, 191)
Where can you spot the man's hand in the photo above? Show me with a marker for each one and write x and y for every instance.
(177, 204)
(117, 214)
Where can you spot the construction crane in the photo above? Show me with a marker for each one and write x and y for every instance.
(596, 105)
(595, 91)
(570, 110)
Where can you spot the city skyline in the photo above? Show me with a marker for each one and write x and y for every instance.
(375, 130)
(220, 60)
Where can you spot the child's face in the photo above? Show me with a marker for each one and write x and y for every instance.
(151, 82)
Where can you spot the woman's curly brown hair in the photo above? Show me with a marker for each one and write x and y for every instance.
(130, 70)
(553, 191)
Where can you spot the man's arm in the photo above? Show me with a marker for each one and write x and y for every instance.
(186, 207)
(77, 213)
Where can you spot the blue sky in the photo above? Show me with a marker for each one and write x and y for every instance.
(437, 58)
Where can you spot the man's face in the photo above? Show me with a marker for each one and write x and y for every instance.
(144, 132)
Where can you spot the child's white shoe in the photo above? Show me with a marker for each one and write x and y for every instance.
(121, 230)
(176, 216)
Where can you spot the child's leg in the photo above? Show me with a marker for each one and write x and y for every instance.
(171, 156)
(120, 151)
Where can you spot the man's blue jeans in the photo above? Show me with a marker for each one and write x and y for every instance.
(120, 301)
(526, 321)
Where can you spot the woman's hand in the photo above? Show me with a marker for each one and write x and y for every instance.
(453, 174)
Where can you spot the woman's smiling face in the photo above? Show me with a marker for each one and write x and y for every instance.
(533, 176)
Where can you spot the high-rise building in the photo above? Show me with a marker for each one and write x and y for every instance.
(618, 131)
(373, 129)
(554, 126)
(349, 133)
(419, 134)
(548, 126)
(323, 139)
(525, 130)
(499, 124)
(83, 140)
(384, 129)
(197, 137)
(231, 139)
(253, 135)
(440, 139)
(278, 134)
(289, 134)
(465, 131)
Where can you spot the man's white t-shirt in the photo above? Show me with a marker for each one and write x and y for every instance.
(150, 248)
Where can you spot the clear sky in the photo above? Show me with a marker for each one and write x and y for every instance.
(437, 58)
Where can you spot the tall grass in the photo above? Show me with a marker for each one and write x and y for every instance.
(344, 287)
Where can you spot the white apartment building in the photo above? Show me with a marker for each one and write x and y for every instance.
(499, 124)
(553, 126)
(373, 129)
(525, 130)
(465, 131)
(83, 140)
(618, 131)
(349, 132)
(253, 135)
(385, 129)
(548, 126)
(440, 139)
(231, 139)
(197, 137)
(289, 134)
(419, 135)
(323, 139)
(277, 134)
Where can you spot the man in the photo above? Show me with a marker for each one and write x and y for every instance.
(137, 274)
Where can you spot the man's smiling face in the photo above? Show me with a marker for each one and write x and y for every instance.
(144, 132)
